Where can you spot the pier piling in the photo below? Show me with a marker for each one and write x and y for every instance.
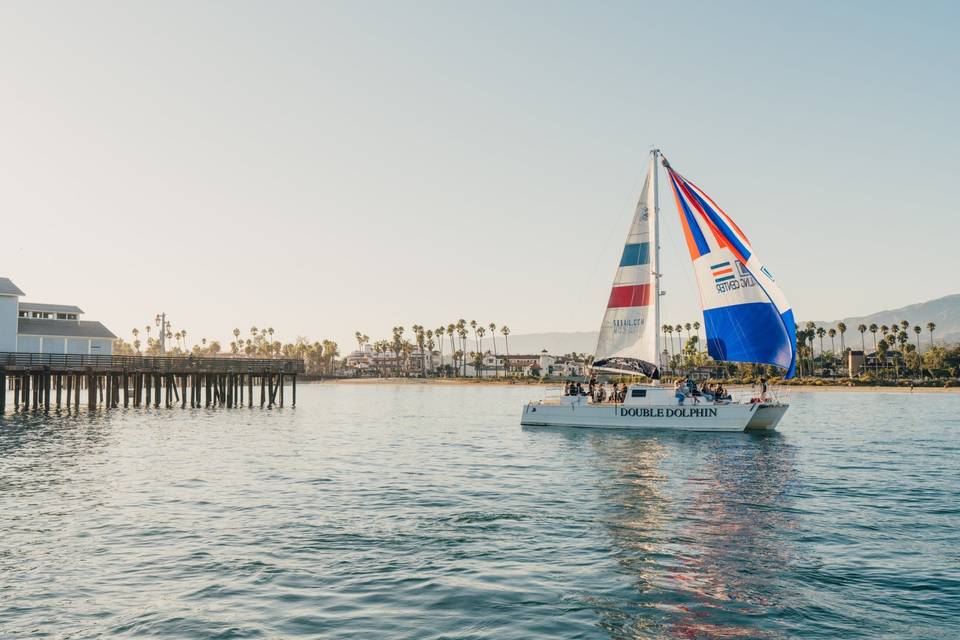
(37, 380)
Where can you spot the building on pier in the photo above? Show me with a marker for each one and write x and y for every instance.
(30, 327)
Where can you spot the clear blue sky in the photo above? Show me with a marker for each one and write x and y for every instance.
(327, 167)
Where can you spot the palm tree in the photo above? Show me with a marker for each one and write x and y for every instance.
(480, 331)
(462, 332)
(811, 329)
(696, 327)
(397, 343)
(917, 329)
(931, 327)
(902, 339)
(505, 330)
(406, 348)
(453, 347)
(438, 334)
(882, 347)
(476, 339)
(420, 336)
(496, 359)
(873, 330)
(430, 345)
(679, 330)
(687, 326)
(862, 328)
(668, 340)
(842, 329)
(904, 325)
(820, 333)
(377, 350)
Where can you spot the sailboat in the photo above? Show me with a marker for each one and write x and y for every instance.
(746, 317)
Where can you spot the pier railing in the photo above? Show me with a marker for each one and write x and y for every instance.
(179, 364)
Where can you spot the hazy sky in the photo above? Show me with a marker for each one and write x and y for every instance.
(327, 167)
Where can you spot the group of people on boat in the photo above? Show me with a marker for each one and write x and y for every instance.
(709, 392)
(597, 391)
(683, 388)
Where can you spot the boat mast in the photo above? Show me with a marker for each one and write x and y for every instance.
(656, 259)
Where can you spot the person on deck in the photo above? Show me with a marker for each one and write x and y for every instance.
(678, 392)
(762, 388)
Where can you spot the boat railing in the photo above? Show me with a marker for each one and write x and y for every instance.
(747, 395)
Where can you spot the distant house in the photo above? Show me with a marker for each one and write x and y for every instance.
(31, 327)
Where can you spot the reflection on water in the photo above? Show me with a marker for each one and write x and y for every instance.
(375, 511)
(705, 551)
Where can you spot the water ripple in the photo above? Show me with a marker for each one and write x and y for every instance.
(417, 512)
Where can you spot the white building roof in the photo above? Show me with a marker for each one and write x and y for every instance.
(59, 328)
(49, 308)
(7, 288)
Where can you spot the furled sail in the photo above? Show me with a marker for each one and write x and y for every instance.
(628, 335)
(746, 315)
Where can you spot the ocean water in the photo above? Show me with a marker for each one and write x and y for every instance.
(409, 511)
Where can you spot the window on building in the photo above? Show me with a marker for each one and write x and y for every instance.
(638, 393)
(24, 314)
(66, 316)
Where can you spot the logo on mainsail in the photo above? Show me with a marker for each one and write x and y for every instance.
(722, 272)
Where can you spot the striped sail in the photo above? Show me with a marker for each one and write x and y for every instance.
(628, 335)
(746, 315)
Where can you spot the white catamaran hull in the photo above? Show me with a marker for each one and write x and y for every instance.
(701, 417)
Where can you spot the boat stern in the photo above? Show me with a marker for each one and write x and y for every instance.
(766, 417)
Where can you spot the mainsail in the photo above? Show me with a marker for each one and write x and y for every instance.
(747, 317)
(628, 335)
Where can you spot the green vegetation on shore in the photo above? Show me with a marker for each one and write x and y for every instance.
(893, 354)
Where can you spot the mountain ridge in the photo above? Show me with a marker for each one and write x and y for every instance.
(943, 311)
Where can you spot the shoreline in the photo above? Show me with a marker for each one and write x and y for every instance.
(832, 388)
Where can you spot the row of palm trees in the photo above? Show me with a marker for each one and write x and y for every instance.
(894, 339)
(320, 357)
(888, 340)
(452, 338)
(464, 343)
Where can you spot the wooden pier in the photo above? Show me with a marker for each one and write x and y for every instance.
(40, 381)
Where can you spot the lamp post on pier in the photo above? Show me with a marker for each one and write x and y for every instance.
(161, 321)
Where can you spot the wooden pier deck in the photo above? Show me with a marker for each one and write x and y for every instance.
(42, 380)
